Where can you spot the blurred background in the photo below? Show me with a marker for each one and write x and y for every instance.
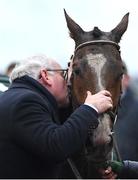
(29, 27)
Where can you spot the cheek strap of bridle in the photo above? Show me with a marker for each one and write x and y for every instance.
(113, 116)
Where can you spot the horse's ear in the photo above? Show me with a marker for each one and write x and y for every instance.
(119, 30)
(74, 28)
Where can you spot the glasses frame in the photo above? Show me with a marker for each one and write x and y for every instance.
(65, 72)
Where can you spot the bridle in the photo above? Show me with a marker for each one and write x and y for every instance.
(111, 113)
(96, 42)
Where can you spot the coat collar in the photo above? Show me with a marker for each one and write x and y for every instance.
(32, 84)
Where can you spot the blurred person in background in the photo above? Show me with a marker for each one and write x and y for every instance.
(10, 67)
(4, 78)
(126, 127)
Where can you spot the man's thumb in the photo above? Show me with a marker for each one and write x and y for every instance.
(89, 93)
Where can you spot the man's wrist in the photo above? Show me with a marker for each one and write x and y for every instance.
(92, 106)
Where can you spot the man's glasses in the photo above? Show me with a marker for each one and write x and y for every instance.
(64, 72)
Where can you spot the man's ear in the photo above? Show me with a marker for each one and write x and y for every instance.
(46, 79)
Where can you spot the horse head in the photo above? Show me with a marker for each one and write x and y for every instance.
(97, 65)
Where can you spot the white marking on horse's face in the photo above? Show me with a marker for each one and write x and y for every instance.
(103, 131)
(97, 62)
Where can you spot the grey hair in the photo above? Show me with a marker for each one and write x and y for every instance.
(31, 66)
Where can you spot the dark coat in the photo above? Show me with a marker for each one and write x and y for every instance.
(129, 170)
(32, 141)
(126, 127)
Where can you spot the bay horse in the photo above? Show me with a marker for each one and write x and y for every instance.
(95, 65)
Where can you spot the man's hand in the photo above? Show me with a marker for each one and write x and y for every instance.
(107, 173)
(101, 101)
(113, 170)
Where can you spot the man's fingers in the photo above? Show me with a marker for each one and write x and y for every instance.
(109, 99)
(110, 106)
(106, 93)
(108, 170)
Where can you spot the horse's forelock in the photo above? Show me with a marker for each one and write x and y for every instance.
(96, 32)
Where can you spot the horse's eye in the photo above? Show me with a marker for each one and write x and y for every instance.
(119, 76)
(77, 71)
